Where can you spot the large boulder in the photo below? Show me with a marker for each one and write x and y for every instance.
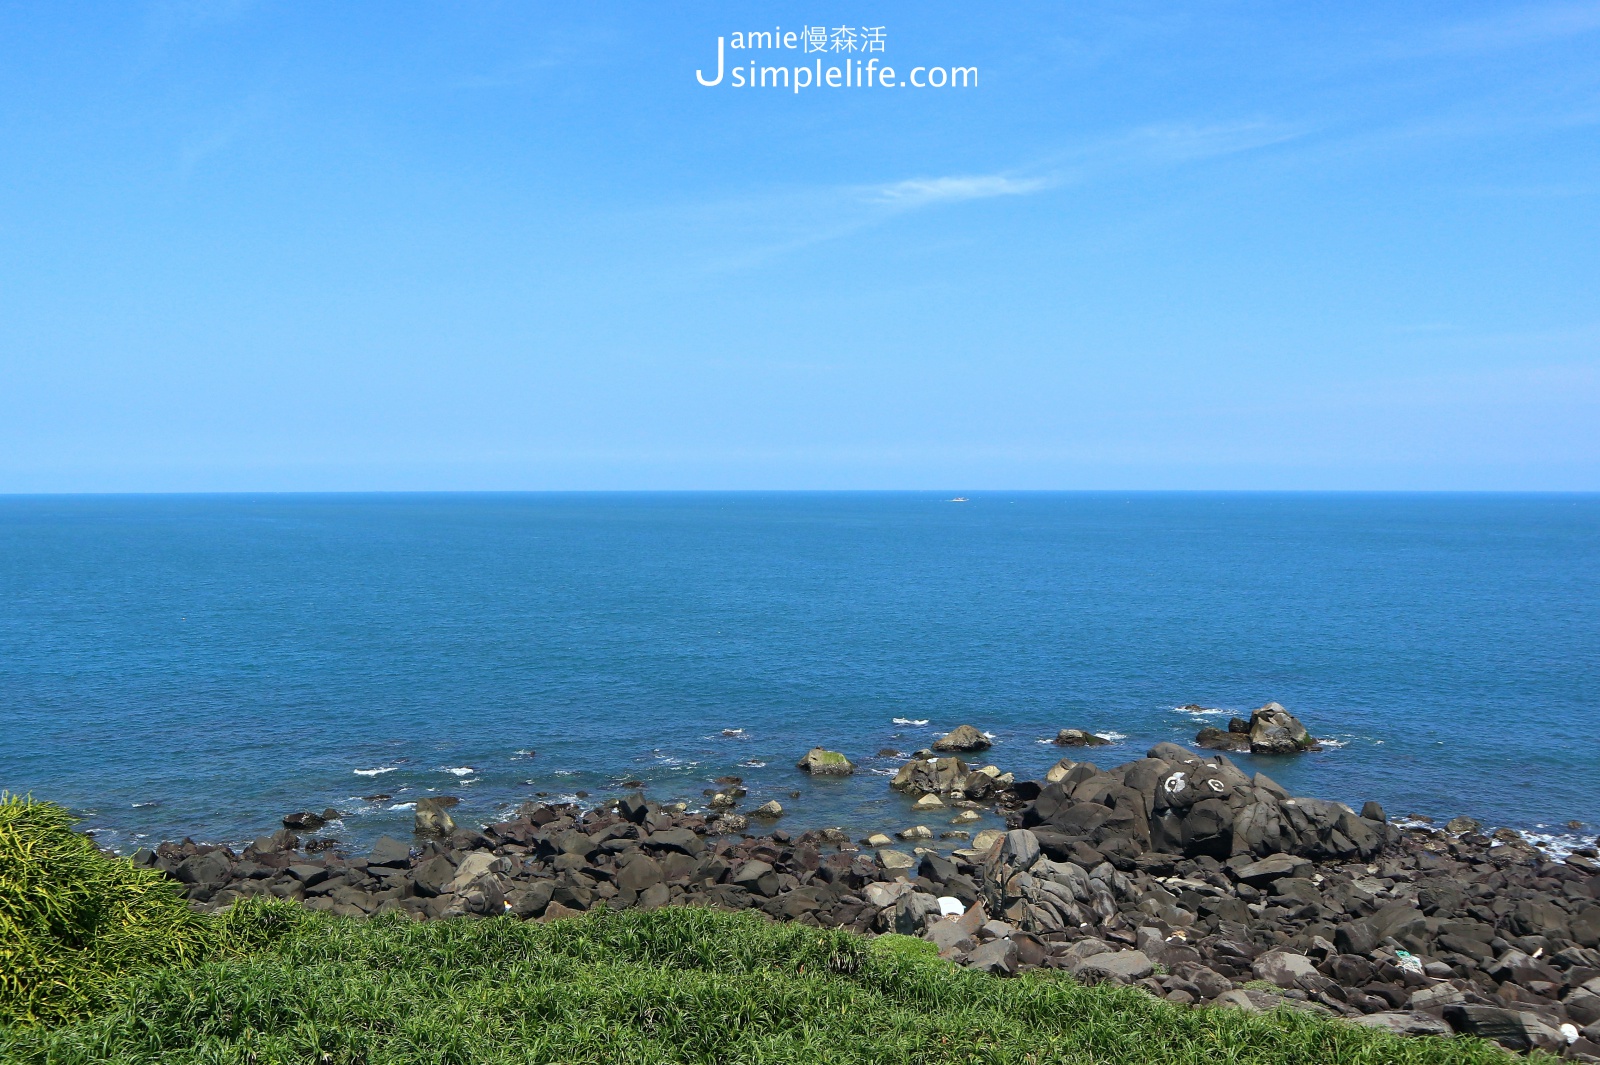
(931, 776)
(1511, 1028)
(1273, 730)
(1122, 967)
(433, 816)
(963, 738)
(389, 853)
(820, 762)
(1284, 968)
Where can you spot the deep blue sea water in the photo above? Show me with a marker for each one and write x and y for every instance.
(202, 665)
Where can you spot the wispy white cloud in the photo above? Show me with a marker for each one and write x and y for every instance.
(921, 192)
(1528, 25)
(756, 229)
(222, 134)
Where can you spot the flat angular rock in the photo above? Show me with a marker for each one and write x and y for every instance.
(639, 874)
(308, 875)
(884, 895)
(472, 867)
(1273, 867)
(896, 861)
(1510, 1028)
(530, 902)
(676, 839)
(1582, 1006)
(1435, 997)
(1405, 1023)
(998, 956)
(1248, 1000)
(949, 936)
(911, 912)
(1215, 739)
(389, 851)
(986, 839)
(1123, 966)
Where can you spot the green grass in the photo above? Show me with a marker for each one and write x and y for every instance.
(278, 983)
(72, 921)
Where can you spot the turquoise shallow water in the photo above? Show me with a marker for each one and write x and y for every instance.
(202, 665)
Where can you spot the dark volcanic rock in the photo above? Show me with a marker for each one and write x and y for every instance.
(1273, 730)
(1077, 737)
(1176, 872)
(963, 738)
(1215, 739)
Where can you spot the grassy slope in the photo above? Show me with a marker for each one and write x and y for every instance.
(283, 984)
(71, 920)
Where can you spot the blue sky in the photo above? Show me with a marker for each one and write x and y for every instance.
(267, 246)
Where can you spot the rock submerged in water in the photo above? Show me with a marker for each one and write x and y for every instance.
(1270, 730)
(433, 816)
(820, 762)
(1077, 737)
(963, 738)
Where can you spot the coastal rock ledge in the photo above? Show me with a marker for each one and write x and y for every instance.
(1175, 873)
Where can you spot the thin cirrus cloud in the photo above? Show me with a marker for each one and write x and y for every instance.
(761, 228)
(922, 192)
(1521, 27)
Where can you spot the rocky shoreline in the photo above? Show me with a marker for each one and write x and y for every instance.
(1177, 873)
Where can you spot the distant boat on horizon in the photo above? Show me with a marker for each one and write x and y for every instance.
(958, 499)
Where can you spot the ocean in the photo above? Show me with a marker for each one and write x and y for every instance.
(202, 665)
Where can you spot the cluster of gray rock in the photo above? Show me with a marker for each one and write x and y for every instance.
(1270, 730)
(1176, 873)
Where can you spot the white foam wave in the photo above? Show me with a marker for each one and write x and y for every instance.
(1201, 711)
(375, 772)
(1113, 737)
(752, 764)
(911, 721)
(882, 772)
(988, 735)
(1335, 744)
(733, 732)
(404, 806)
(1558, 844)
(460, 771)
(142, 805)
